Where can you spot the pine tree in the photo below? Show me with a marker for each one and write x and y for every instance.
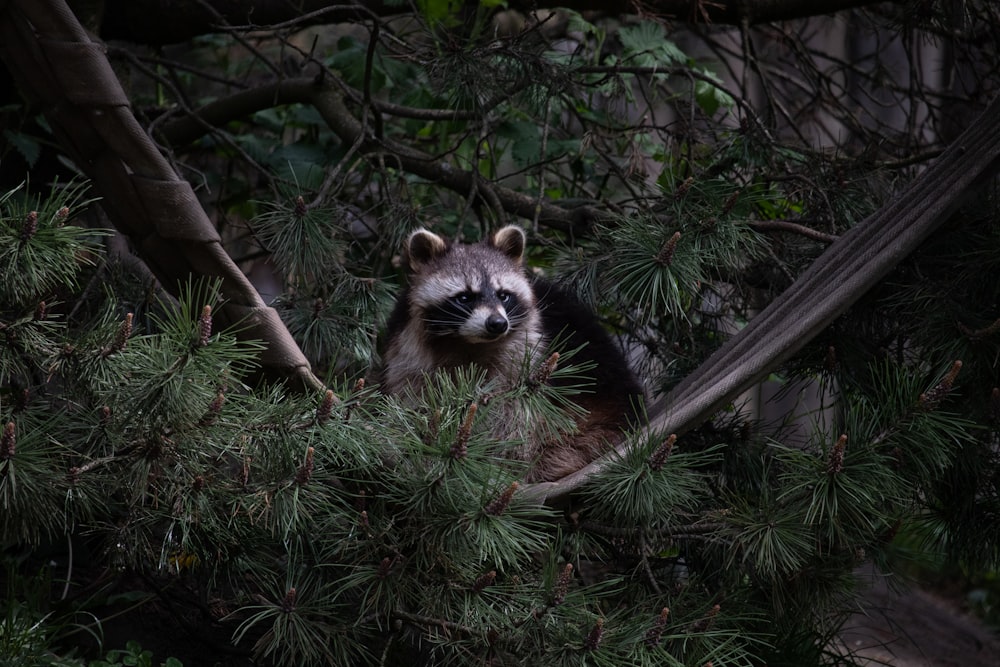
(344, 527)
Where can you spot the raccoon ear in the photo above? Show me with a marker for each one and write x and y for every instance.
(424, 247)
(510, 240)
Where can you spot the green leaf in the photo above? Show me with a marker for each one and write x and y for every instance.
(711, 97)
(29, 149)
(647, 45)
(440, 11)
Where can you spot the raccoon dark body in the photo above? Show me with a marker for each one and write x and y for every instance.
(475, 304)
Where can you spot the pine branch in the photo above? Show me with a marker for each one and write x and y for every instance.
(844, 273)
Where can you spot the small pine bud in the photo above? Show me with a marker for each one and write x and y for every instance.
(300, 207)
(30, 227)
(363, 521)
(325, 408)
(836, 463)
(214, 408)
(949, 379)
(73, 475)
(545, 371)
(562, 584)
(244, 475)
(433, 427)
(498, 505)
(932, 398)
(705, 623)
(124, 331)
(121, 338)
(666, 255)
(198, 483)
(385, 567)
(684, 187)
(460, 449)
(483, 581)
(358, 388)
(7, 442)
(288, 602)
(205, 326)
(730, 202)
(305, 471)
(41, 311)
(105, 415)
(594, 638)
(658, 458)
(655, 633)
(62, 214)
(318, 305)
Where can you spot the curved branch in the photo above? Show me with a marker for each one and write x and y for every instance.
(793, 227)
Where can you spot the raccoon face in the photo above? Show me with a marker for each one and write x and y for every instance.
(477, 314)
(472, 293)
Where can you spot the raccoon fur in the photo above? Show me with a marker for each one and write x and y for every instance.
(475, 304)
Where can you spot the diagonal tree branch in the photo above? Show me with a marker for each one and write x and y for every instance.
(54, 62)
(850, 267)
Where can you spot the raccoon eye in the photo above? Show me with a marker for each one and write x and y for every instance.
(464, 298)
(503, 295)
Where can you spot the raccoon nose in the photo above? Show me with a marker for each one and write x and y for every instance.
(496, 324)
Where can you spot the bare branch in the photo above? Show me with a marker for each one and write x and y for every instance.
(330, 101)
(794, 227)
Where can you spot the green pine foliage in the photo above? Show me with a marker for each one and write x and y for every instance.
(353, 528)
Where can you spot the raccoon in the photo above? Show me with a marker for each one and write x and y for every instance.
(475, 304)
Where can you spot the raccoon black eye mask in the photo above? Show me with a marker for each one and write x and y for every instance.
(475, 304)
